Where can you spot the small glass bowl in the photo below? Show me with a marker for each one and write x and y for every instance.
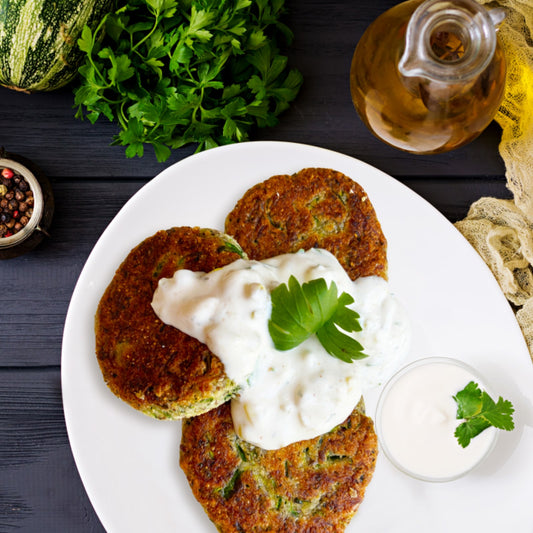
(415, 460)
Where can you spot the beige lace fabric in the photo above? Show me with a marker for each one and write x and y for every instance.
(502, 230)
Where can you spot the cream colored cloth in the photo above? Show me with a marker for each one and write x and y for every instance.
(502, 230)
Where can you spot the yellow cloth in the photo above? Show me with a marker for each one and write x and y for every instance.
(502, 230)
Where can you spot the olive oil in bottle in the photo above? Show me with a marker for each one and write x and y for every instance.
(428, 76)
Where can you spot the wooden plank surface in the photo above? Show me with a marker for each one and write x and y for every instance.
(41, 283)
(40, 489)
(43, 127)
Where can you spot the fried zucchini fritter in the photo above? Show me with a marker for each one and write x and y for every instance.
(315, 207)
(312, 486)
(156, 368)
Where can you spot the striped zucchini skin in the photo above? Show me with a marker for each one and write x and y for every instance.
(38, 40)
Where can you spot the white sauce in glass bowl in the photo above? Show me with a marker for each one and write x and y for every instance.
(416, 420)
(286, 396)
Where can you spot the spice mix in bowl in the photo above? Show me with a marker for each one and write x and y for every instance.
(22, 207)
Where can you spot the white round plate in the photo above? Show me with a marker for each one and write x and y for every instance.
(129, 462)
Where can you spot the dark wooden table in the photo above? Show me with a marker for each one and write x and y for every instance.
(40, 489)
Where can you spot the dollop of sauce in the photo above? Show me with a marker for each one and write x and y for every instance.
(417, 420)
(286, 396)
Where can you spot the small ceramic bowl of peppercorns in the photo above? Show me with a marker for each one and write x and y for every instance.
(22, 206)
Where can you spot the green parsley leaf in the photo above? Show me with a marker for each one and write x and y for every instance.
(171, 73)
(479, 412)
(86, 42)
(298, 311)
(466, 431)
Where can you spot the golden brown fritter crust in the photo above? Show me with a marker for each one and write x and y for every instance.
(315, 207)
(154, 367)
(312, 486)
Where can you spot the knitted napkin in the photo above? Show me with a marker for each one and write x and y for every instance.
(502, 230)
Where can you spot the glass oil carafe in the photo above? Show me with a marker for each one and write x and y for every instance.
(428, 76)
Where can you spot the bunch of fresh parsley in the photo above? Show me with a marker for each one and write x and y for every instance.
(174, 72)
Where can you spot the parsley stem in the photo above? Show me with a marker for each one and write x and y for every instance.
(98, 29)
(199, 106)
(147, 36)
(123, 120)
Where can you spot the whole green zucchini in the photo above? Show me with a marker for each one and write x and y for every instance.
(38, 40)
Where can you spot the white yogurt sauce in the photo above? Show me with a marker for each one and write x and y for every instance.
(287, 396)
(417, 420)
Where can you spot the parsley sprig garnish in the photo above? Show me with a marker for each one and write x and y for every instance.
(170, 73)
(298, 311)
(480, 412)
